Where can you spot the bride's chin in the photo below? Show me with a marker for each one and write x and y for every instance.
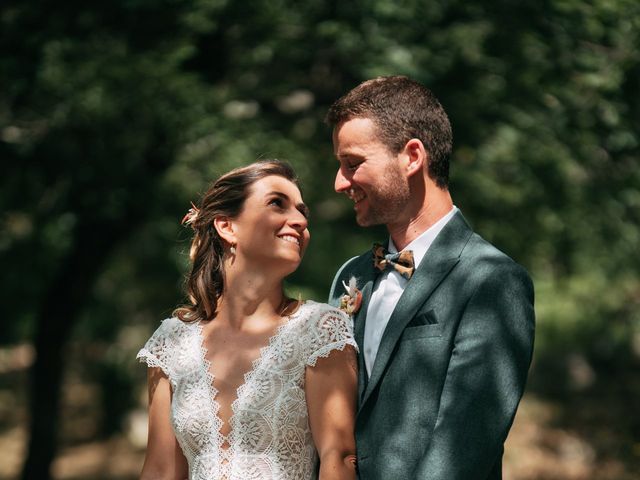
(292, 266)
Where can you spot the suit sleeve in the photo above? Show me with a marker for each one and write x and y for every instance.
(485, 378)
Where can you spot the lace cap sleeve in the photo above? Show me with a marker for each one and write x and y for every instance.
(160, 348)
(330, 329)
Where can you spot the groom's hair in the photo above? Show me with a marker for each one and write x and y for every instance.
(401, 109)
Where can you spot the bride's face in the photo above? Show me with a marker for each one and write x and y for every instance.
(272, 227)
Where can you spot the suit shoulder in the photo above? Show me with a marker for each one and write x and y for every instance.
(348, 269)
(487, 258)
(355, 263)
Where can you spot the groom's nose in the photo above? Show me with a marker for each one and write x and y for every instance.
(341, 183)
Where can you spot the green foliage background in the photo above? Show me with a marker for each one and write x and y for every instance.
(114, 115)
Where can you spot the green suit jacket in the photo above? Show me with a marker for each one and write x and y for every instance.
(451, 366)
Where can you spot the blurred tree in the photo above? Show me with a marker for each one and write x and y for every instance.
(95, 105)
(113, 116)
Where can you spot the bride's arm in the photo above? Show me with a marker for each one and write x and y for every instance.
(164, 459)
(331, 392)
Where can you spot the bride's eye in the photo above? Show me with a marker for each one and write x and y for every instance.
(277, 202)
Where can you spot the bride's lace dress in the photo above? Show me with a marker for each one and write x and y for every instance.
(270, 436)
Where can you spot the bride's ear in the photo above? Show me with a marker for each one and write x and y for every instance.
(225, 228)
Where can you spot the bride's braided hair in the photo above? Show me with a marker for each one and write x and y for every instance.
(226, 197)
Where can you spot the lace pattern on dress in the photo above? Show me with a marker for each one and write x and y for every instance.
(269, 434)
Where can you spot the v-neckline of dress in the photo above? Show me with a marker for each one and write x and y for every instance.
(219, 422)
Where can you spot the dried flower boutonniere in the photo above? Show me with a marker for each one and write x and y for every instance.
(350, 302)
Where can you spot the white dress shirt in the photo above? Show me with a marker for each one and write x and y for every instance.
(388, 288)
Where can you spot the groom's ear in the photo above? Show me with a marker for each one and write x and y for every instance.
(225, 228)
(417, 157)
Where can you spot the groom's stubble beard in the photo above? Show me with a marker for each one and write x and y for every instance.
(387, 199)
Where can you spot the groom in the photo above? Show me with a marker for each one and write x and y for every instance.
(444, 347)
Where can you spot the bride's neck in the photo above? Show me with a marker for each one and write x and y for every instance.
(249, 295)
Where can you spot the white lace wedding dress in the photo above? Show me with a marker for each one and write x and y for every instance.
(270, 436)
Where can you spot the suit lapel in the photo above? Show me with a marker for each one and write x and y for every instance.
(366, 277)
(442, 256)
(359, 321)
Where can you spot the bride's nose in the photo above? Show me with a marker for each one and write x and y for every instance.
(298, 221)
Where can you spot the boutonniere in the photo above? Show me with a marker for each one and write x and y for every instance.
(350, 302)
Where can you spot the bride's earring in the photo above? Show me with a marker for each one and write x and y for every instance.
(232, 249)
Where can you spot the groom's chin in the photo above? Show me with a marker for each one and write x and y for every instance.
(367, 221)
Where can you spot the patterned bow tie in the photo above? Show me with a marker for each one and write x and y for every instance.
(401, 262)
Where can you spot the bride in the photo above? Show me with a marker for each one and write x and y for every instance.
(245, 383)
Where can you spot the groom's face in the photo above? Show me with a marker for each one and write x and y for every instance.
(369, 174)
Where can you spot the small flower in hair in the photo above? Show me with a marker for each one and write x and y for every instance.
(350, 302)
(191, 215)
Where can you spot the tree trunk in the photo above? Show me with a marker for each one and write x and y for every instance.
(57, 316)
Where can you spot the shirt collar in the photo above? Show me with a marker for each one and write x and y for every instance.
(420, 245)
